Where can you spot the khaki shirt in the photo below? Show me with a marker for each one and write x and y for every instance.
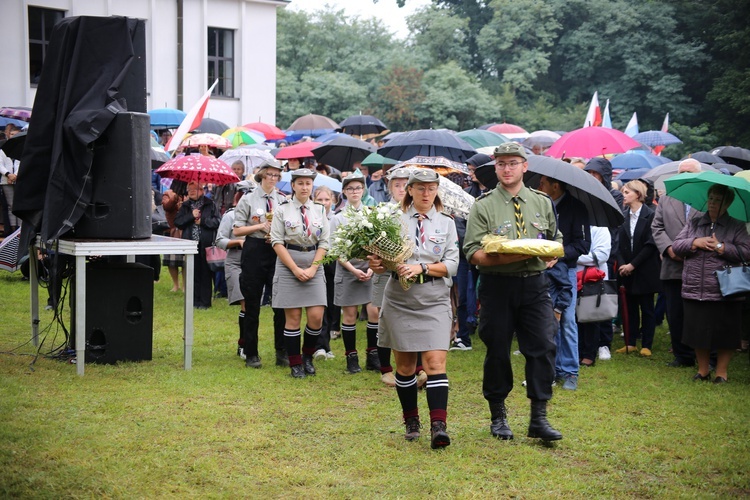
(251, 210)
(441, 239)
(286, 226)
(493, 213)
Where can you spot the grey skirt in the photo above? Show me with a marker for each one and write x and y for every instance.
(232, 270)
(290, 293)
(416, 320)
(378, 288)
(348, 290)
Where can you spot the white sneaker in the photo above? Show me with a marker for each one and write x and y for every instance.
(330, 355)
(604, 353)
(335, 334)
(459, 345)
(241, 353)
(320, 354)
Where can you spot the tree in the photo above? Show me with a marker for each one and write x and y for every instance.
(397, 99)
(439, 37)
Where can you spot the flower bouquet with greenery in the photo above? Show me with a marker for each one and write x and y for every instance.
(372, 231)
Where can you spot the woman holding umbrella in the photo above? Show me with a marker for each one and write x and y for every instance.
(199, 219)
(707, 244)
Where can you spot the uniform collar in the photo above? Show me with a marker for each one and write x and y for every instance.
(411, 212)
(507, 197)
(297, 203)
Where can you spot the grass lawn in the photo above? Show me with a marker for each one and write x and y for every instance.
(635, 428)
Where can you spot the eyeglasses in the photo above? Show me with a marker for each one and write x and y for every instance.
(426, 189)
(510, 165)
(273, 176)
(353, 189)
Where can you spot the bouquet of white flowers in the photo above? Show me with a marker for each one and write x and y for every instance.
(372, 231)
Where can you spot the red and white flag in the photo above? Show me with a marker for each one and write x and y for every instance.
(594, 116)
(664, 128)
(191, 121)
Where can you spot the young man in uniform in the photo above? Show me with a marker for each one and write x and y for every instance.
(513, 292)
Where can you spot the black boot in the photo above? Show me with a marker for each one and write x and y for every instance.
(439, 435)
(281, 358)
(307, 363)
(373, 362)
(352, 363)
(499, 426)
(412, 428)
(538, 426)
(298, 371)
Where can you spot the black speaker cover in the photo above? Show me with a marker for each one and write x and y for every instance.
(119, 312)
(120, 207)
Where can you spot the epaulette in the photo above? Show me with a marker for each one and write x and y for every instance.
(338, 210)
(541, 193)
(484, 195)
(318, 203)
(450, 216)
(284, 202)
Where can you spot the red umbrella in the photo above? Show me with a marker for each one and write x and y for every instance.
(301, 150)
(592, 141)
(17, 112)
(509, 130)
(198, 168)
(271, 132)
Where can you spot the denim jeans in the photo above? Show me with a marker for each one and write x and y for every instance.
(566, 339)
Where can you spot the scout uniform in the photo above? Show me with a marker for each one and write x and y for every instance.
(515, 297)
(257, 270)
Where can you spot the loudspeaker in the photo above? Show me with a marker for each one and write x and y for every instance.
(133, 86)
(119, 312)
(120, 205)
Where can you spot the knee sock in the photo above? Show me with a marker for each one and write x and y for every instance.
(349, 334)
(384, 355)
(372, 336)
(241, 323)
(291, 339)
(437, 396)
(310, 340)
(406, 388)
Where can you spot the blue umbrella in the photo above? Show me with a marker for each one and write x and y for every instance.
(633, 161)
(320, 180)
(440, 142)
(166, 117)
(18, 123)
(328, 137)
(631, 175)
(653, 138)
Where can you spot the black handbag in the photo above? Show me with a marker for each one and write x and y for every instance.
(734, 280)
(597, 300)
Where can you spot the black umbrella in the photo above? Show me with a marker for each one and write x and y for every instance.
(705, 157)
(441, 142)
(13, 147)
(602, 207)
(362, 125)
(734, 155)
(211, 126)
(343, 151)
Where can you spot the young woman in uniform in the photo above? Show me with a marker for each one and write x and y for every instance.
(419, 319)
(299, 236)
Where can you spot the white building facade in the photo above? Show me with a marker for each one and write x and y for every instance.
(189, 43)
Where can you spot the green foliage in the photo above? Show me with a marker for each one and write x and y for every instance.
(399, 96)
(694, 139)
(440, 37)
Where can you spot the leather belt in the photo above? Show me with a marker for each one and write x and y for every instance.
(522, 274)
(301, 249)
(421, 278)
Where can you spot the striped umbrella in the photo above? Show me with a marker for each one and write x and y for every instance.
(17, 112)
(9, 252)
(241, 136)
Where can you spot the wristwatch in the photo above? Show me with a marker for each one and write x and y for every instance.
(424, 269)
(719, 246)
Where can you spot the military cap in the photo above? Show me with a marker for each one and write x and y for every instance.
(423, 175)
(510, 149)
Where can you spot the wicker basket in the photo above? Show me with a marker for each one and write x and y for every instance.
(393, 254)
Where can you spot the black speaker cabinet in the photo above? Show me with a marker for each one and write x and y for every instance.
(119, 312)
(120, 206)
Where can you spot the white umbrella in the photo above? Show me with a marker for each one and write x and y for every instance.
(9, 252)
(252, 157)
(455, 200)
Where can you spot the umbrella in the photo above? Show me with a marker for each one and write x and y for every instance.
(543, 138)
(343, 152)
(18, 123)
(705, 157)
(312, 122)
(734, 155)
(732, 169)
(271, 132)
(363, 125)
(440, 142)
(455, 200)
(509, 130)
(329, 136)
(240, 136)
(658, 175)
(653, 138)
(590, 142)
(377, 161)
(633, 174)
(166, 117)
(199, 168)
(444, 166)
(251, 157)
(301, 150)
(210, 140)
(9, 252)
(17, 112)
(630, 161)
(692, 188)
(211, 126)
(390, 136)
(479, 138)
(13, 147)
(602, 207)
(285, 185)
(157, 153)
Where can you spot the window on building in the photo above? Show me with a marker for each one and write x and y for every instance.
(41, 21)
(221, 61)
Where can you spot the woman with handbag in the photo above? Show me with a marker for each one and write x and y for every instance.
(707, 244)
(639, 268)
(589, 339)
